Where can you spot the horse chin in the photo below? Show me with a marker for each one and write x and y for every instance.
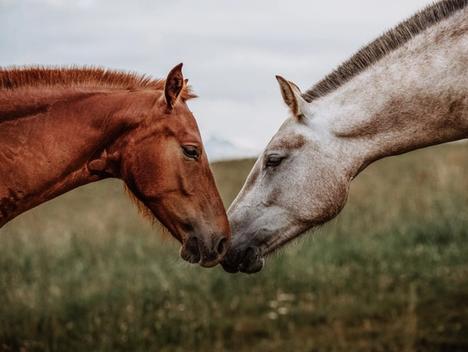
(187, 256)
(190, 251)
(252, 267)
(208, 264)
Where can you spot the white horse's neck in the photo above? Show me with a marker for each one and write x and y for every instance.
(414, 97)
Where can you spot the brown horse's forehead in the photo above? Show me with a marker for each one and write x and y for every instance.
(184, 125)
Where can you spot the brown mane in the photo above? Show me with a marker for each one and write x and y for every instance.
(383, 45)
(18, 77)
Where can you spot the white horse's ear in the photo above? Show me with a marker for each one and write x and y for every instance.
(292, 96)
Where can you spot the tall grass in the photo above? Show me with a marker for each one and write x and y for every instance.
(84, 272)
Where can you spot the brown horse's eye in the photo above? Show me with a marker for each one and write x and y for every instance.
(191, 151)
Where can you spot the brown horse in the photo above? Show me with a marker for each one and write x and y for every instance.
(63, 128)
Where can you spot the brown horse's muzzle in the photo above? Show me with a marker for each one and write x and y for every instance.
(206, 252)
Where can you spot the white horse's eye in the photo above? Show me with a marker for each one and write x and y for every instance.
(273, 160)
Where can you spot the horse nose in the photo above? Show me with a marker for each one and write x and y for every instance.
(190, 250)
(212, 253)
(206, 252)
(234, 258)
(221, 246)
(247, 260)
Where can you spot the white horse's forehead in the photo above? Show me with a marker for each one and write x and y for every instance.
(291, 131)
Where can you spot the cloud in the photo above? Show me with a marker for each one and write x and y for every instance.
(231, 49)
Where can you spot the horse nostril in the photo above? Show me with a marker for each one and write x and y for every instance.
(221, 246)
(250, 252)
(193, 248)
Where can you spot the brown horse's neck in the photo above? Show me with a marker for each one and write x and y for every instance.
(52, 141)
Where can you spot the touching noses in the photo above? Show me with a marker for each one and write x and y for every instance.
(205, 251)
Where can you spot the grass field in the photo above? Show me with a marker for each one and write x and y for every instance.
(85, 273)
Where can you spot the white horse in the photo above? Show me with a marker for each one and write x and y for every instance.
(406, 90)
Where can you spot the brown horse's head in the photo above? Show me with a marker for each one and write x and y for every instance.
(165, 166)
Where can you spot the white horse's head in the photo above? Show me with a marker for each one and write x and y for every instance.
(299, 181)
(391, 97)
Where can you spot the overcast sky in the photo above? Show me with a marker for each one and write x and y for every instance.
(231, 50)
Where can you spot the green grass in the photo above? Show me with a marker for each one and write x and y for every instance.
(84, 272)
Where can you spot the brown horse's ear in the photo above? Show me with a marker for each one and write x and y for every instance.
(292, 96)
(173, 86)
